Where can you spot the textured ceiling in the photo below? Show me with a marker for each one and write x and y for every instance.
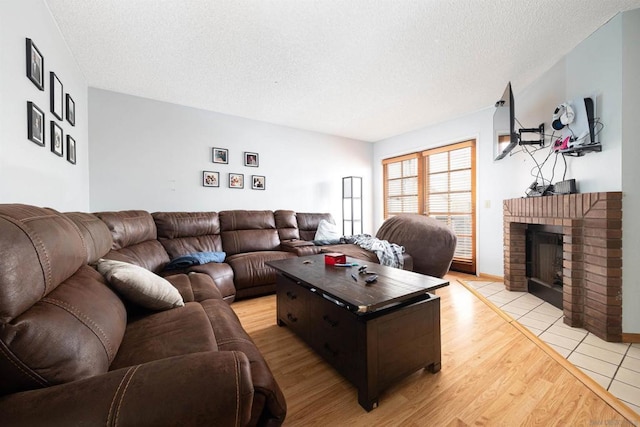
(364, 69)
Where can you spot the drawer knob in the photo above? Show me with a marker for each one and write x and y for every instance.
(291, 295)
(292, 317)
(331, 351)
(327, 319)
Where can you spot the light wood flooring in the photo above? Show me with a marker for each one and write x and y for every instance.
(493, 373)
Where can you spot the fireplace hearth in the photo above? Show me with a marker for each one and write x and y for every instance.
(590, 226)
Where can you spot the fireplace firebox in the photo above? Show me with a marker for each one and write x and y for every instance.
(544, 262)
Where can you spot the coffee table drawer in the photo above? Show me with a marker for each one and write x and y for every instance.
(293, 306)
(334, 334)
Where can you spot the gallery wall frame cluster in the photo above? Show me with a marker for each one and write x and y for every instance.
(235, 180)
(61, 105)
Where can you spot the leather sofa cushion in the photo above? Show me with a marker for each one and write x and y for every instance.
(308, 223)
(95, 233)
(74, 332)
(172, 225)
(286, 224)
(182, 233)
(222, 275)
(150, 255)
(248, 231)
(134, 236)
(230, 336)
(163, 334)
(195, 286)
(129, 227)
(249, 269)
(31, 264)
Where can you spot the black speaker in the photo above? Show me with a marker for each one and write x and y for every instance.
(588, 105)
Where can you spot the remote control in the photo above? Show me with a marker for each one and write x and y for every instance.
(371, 279)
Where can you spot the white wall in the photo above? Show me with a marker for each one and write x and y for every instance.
(631, 171)
(30, 173)
(150, 155)
(594, 68)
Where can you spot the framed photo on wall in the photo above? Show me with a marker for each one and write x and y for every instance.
(35, 123)
(56, 139)
(210, 179)
(35, 65)
(251, 159)
(257, 182)
(71, 110)
(220, 155)
(71, 150)
(236, 180)
(57, 96)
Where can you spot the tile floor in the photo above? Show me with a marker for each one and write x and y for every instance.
(615, 366)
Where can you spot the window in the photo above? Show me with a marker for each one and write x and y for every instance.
(401, 185)
(438, 183)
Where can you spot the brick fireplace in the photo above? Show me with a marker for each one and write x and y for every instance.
(592, 255)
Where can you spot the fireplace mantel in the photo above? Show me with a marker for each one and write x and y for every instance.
(592, 255)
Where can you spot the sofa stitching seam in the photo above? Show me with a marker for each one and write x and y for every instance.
(237, 366)
(31, 375)
(113, 400)
(133, 372)
(233, 340)
(85, 320)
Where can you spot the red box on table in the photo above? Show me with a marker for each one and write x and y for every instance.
(334, 258)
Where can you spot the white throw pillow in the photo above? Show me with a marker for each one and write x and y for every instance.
(327, 231)
(139, 285)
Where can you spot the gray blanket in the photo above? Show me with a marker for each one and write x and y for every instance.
(388, 254)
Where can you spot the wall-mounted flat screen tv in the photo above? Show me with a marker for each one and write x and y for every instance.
(506, 137)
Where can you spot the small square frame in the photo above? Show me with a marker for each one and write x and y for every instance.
(57, 96)
(71, 110)
(35, 124)
(57, 139)
(35, 65)
(258, 182)
(220, 155)
(251, 159)
(210, 179)
(236, 180)
(71, 150)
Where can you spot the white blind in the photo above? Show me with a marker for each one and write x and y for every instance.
(402, 186)
(449, 194)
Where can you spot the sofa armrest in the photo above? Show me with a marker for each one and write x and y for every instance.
(209, 388)
(299, 247)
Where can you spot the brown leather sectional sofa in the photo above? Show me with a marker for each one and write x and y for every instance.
(73, 351)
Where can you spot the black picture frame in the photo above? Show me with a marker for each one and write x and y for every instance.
(251, 159)
(57, 96)
(35, 65)
(210, 179)
(71, 150)
(220, 155)
(258, 182)
(71, 110)
(35, 124)
(236, 180)
(57, 139)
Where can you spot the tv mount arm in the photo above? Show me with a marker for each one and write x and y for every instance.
(539, 130)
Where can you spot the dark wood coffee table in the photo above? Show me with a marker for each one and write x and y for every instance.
(373, 334)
